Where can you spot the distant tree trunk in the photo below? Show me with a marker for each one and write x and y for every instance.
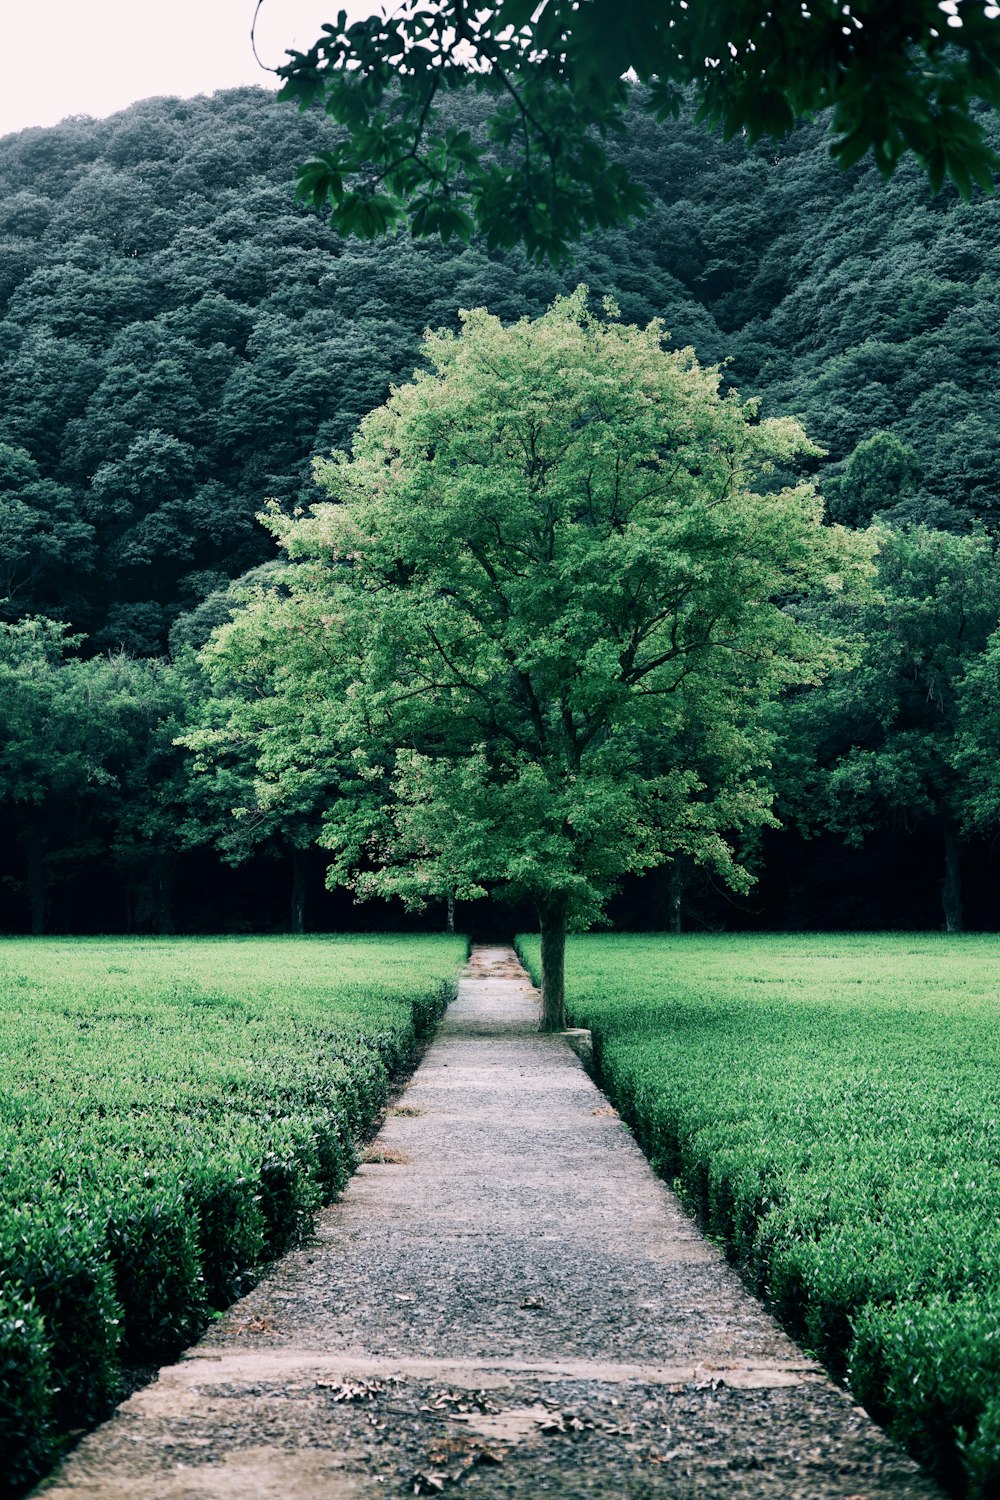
(676, 897)
(154, 911)
(450, 918)
(299, 870)
(552, 918)
(163, 894)
(951, 888)
(33, 844)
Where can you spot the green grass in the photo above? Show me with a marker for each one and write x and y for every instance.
(172, 1113)
(830, 1108)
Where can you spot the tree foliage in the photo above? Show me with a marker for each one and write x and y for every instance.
(883, 739)
(897, 78)
(543, 601)
(87, 763)
(178, 339)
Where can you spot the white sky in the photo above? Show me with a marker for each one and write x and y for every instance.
(92, 57)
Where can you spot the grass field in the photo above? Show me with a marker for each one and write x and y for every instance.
(172, 1113)
(830, 1108)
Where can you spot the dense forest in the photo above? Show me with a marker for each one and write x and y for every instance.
(179, 338)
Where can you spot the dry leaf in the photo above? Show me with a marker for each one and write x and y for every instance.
(352, 1390)
(563, 1421)
(429, 1482)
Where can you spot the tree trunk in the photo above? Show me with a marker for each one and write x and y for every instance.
(552, 918)
(298, 891)
(951, 888)
(163, 894)
(450, 918)
(676, 895)
(152, 909)
(33, 843)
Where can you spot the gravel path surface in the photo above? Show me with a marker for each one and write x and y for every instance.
(506, 1302)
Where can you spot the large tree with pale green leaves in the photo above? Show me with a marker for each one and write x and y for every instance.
(537, 616)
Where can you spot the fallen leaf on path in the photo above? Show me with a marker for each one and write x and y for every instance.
(563, 1421)
(430, 1483)
(253, 1325)
(463, 1452)
(352, 1390)
(462, 1401)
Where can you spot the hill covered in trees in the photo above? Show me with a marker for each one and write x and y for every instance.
(178, 339)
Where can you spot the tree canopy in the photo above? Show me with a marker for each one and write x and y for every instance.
(179, 338)
(177, 341)
(897, 78)
(882, 740)
(541, 610)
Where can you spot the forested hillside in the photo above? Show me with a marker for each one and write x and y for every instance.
(178, 338)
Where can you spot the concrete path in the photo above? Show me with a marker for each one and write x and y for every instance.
(506, 1302)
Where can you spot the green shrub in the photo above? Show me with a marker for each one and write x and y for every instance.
(289, 1197)
(153, 1241)
(981, 1454)
(830, 1109)
(231, 1229)
(930, 1371)
(25, 1389)
(56, 1257)
(175, 1112)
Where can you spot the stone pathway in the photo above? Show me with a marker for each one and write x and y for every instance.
(506, 1302)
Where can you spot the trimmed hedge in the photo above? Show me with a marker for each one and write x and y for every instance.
(829, 1107)
(25, 1388)
(163, 1137)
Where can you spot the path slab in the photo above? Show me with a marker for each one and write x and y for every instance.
(506, 1302)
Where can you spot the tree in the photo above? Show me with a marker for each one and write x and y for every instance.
(255, 781)
(538, 616)
(37, 766)
(44, 544)
(880, 474)
(87, 763)
(975, 756)
(879, 742)
(898, 78)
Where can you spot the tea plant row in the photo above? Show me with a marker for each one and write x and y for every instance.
(830, 1108)
(172, 1114)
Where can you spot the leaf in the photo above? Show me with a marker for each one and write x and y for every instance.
(851, 148)
(429, 1482)
(353, 1390)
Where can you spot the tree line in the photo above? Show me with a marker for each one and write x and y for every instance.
(179, 339)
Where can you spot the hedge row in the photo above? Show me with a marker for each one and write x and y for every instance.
(171, 1117)
(830, 1109)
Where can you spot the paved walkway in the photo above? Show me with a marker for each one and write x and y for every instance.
(507, 1302)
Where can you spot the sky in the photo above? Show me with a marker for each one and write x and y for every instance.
(92, 57)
